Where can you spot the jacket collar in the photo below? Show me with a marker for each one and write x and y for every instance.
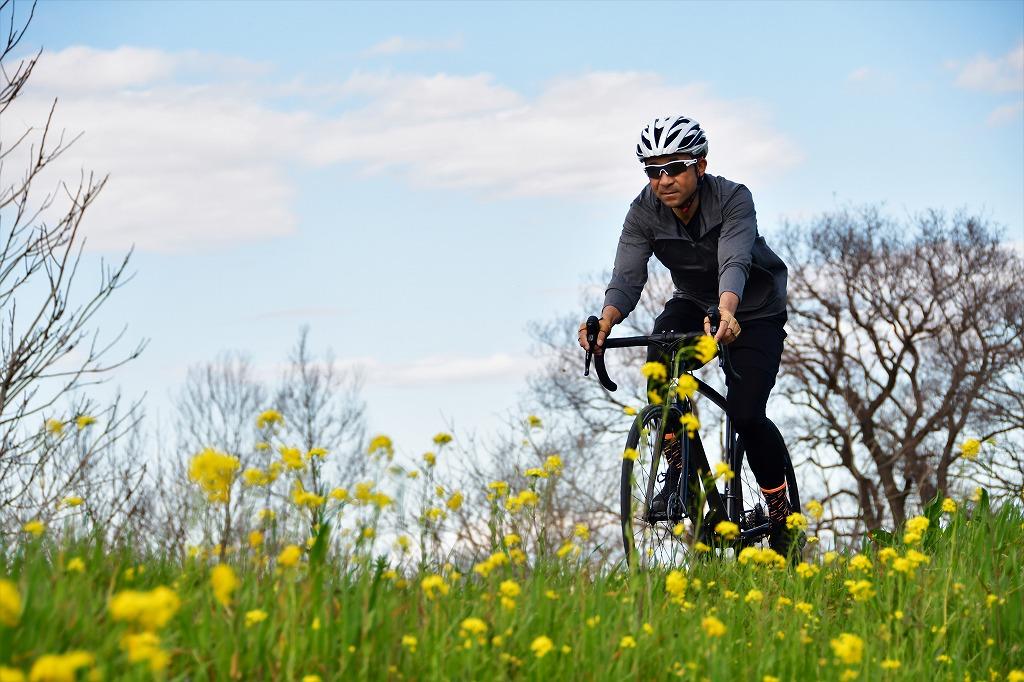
(665, 220)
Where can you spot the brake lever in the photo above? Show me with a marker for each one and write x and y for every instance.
(593, 326)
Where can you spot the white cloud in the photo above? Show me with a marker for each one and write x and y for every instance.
(1005, 114)
(399, 45)
(1002, 74)
(198, 157)
(859, 74)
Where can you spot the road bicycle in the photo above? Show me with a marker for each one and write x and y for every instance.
(661, 538)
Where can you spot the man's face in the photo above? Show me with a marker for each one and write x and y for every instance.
(673, 191)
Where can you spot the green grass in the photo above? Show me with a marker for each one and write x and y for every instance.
(364, 611)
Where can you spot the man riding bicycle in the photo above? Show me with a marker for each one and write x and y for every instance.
(703, 228)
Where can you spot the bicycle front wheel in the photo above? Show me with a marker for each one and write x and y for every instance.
(648, 540)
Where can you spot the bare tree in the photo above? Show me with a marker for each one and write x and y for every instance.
(50, 350)
(905, 340)
(322, 408)
(217, 408)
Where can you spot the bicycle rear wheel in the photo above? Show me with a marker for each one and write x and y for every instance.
(745, 502)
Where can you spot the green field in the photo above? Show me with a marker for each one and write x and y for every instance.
(947, 606)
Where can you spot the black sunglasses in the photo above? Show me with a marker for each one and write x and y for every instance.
(671, 169)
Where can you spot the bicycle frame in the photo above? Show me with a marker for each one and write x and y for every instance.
(724, 506)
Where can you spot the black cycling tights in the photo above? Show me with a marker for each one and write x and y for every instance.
(756, 356)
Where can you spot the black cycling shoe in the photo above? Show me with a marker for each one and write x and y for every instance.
(673, 453)
(787, 542)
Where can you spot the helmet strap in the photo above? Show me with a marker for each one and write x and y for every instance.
(693, 195)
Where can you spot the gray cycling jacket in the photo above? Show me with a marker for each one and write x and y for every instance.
(728, 254)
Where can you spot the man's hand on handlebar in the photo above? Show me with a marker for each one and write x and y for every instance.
(605, 327)
(609, 316)
(728, 329)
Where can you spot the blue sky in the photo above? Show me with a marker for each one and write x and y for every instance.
(420, 181)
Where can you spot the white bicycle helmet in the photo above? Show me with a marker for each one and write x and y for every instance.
(672, 135)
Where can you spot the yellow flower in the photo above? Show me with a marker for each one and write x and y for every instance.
(442, 439)
(289, 556)
(655, 371)
(943, 658)
(630, 454)
(655, 398)
(860, 563)
(472, 626)
(255, 539)
(648, 628)
(55, 426)
(627, 642)
(918, 524)
(887, 554)
(553, 464)
(689, 422)
(10, 603)
(409, 642)
(534, 422)
(311, 678)
(1015, 676)
(292, 458)
(303, 498)
(706, 349)
(796, 521)
(815, 509)
(255, 616)
(860, 590)
(917, 558)
(254, 477)
(727, 529)
(542, 646)
(430, 458)
(629, 410)
(509, 588)
(76, 564)
(60, 667)
(806, 570)
(535, 472)
(949, 506)
(382, 444)
(829, 557)
(848, 648)
(723, 471)
(582, 531)
(83, 421)
(11, 674)
(319, 453)
(224, 582)
(712, 626)
(675, 584)
(214, 471)
(567, 548)
(34, 527)
(970, 448)
(890, 664)
(149, 610)
(340, 494)
(269, 418)
(434, 585)
(262, 446)
(687, 386)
